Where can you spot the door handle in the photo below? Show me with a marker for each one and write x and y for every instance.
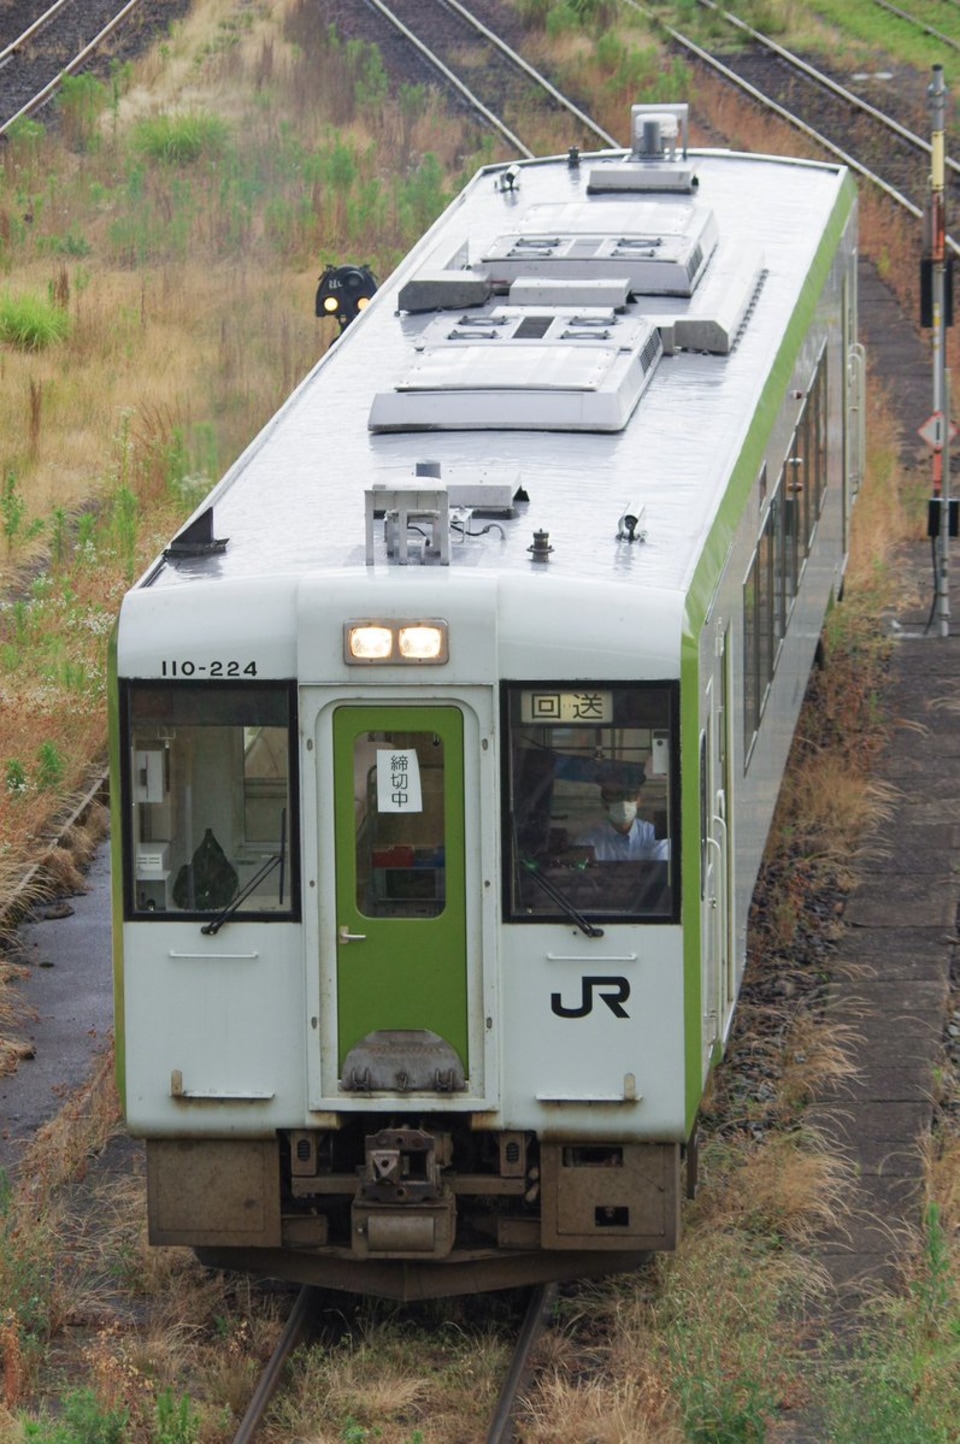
(346, 936)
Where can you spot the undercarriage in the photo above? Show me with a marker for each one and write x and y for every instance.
(415, 1207)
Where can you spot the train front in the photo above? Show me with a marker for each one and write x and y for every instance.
(400, 976)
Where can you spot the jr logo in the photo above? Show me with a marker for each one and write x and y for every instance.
(613, 991)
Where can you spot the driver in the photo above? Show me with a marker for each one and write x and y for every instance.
(622, 836)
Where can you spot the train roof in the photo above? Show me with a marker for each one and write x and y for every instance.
(577, 347)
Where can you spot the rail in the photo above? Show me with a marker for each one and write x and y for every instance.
(540, 1301)
(79, 60)
(476, 103)
(293, 1332)
(32, 31)
(684, 42)
(535, 1320)
(17, 904)
(796, 62)
(919, 24)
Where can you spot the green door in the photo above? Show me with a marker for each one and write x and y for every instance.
(401, 911)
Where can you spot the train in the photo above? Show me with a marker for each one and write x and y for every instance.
(446, 734)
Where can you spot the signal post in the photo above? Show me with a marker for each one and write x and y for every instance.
(936, 312)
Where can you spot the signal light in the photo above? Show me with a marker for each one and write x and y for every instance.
(345, 291)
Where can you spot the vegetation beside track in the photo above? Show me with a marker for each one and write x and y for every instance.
(179, 219)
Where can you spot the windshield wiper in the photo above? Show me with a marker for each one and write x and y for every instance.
(276, 859)
(562, 902)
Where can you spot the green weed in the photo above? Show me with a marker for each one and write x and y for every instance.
(13, 508)
(16, 777)
(177, 1420)
(85, 1421)
(26, 1264)
(31, 323)
(24, 147)
(181, 139)
(73, 244)
(51, 767)
(124, 515)
(903, 1385)
(82, 99)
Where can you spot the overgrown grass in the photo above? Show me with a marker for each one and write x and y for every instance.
(880, 30)
(181, 139)
(31, 323)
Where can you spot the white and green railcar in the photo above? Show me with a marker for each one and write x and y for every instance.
(448, 733)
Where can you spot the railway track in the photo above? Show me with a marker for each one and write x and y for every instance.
(42, 42)
(883, 149)
(491, 76)
(536, 1316)
(918, 23)
(880, 148)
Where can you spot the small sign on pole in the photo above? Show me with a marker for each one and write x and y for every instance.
(935, 431)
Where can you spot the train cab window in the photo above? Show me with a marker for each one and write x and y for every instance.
(591, 802)
(210, 777)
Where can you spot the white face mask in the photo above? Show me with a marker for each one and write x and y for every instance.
(622, 814)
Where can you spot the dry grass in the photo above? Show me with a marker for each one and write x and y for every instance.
(59, 1151)
(14, 1018)
(702, 1345)
(437, 1385)
(631, 1410)
(789, 1186)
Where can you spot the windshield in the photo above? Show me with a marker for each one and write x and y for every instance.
(210, 799)
(591, 807)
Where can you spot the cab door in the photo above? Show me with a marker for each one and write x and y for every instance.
(401, 938)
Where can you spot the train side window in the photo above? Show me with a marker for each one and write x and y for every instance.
(786, 538)
(591, 802)
(210, 781)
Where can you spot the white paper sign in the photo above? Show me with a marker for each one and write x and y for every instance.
(398, 780)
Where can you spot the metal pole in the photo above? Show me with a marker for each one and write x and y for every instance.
(937, 95)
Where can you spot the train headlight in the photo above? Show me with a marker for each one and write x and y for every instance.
(421, 641)
(421, 644)
(369, 644)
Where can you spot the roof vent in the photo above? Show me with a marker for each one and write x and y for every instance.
(655, 254)
(586, 373)
(654, 130)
